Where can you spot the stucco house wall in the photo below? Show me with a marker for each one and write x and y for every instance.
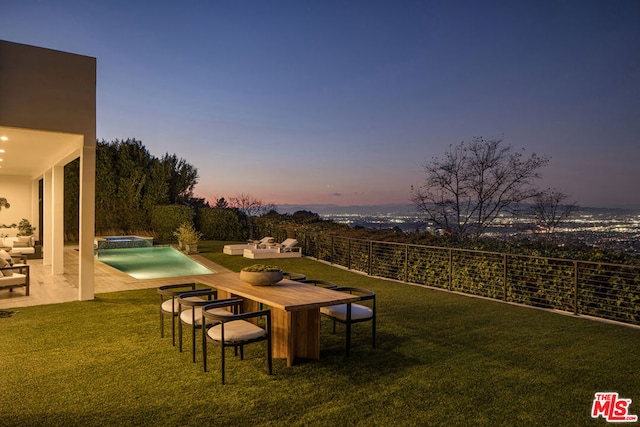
(49, 92)
(17, 191)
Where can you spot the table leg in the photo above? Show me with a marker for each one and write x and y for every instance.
(296, 334)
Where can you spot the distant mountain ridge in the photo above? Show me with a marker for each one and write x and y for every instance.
(326, 209)
(354, 209)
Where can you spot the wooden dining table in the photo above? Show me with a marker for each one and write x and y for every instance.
(295, 311)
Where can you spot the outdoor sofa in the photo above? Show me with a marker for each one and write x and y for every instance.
(286, 249)
(16, 245)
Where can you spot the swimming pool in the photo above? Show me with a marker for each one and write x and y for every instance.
(152, 262)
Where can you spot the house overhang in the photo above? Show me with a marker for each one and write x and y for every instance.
(28, 152)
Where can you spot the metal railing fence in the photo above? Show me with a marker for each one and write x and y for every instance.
(598, 289)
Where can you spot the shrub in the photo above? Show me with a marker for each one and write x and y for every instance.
(166, 218)
(187, 234)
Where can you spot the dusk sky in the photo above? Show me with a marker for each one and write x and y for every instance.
(342, 102)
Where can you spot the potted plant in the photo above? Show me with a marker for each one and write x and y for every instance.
(188, 238)
(25, 228)
(180, 234)
(261, 275)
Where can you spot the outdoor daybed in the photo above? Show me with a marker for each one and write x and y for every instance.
(255, 244)
(286, 249)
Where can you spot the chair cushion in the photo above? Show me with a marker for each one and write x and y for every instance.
(236, 331)
(16, 279)
(186, 317)
(5, 255)
(4, 263)
(166, 305)
(358, 312)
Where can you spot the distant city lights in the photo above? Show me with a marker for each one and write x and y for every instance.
(613, 228)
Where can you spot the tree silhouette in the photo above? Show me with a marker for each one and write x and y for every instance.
(474, 183)
(550, 208)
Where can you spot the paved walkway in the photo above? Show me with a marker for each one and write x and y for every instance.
(47, 288)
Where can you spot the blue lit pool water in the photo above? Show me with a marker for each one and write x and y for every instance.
(152, 263)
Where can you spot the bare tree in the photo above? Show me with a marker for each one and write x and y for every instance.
(250, 205)
(550, 208)
(474, 183)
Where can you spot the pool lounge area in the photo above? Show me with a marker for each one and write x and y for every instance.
(47, 288)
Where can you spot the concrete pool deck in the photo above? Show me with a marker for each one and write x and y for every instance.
(47, 288)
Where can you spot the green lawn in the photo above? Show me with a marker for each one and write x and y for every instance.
(442, 359)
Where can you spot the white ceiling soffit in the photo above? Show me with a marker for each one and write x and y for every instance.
(31, 152)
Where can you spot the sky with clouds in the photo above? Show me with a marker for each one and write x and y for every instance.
(343, 102)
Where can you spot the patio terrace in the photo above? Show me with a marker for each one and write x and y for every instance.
(47, 288)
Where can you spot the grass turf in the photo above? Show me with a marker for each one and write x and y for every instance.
(442, 359)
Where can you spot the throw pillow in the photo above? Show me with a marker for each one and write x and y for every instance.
(5, 255)
(3, 264)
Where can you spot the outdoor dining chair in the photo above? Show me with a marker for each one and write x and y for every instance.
(321, 283)
(190, 308)
(297, 277)
(233, 330)
(351, 313)
(169, 305)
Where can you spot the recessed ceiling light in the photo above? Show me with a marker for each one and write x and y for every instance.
(4, 138)
(1, 150)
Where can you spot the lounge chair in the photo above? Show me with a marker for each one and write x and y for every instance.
(13, 275)
(286, 249)
(254, 244)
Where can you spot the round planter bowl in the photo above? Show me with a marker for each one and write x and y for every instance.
(261, 278)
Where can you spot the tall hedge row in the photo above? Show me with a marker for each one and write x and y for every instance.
(165, 219)
(222, 224)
